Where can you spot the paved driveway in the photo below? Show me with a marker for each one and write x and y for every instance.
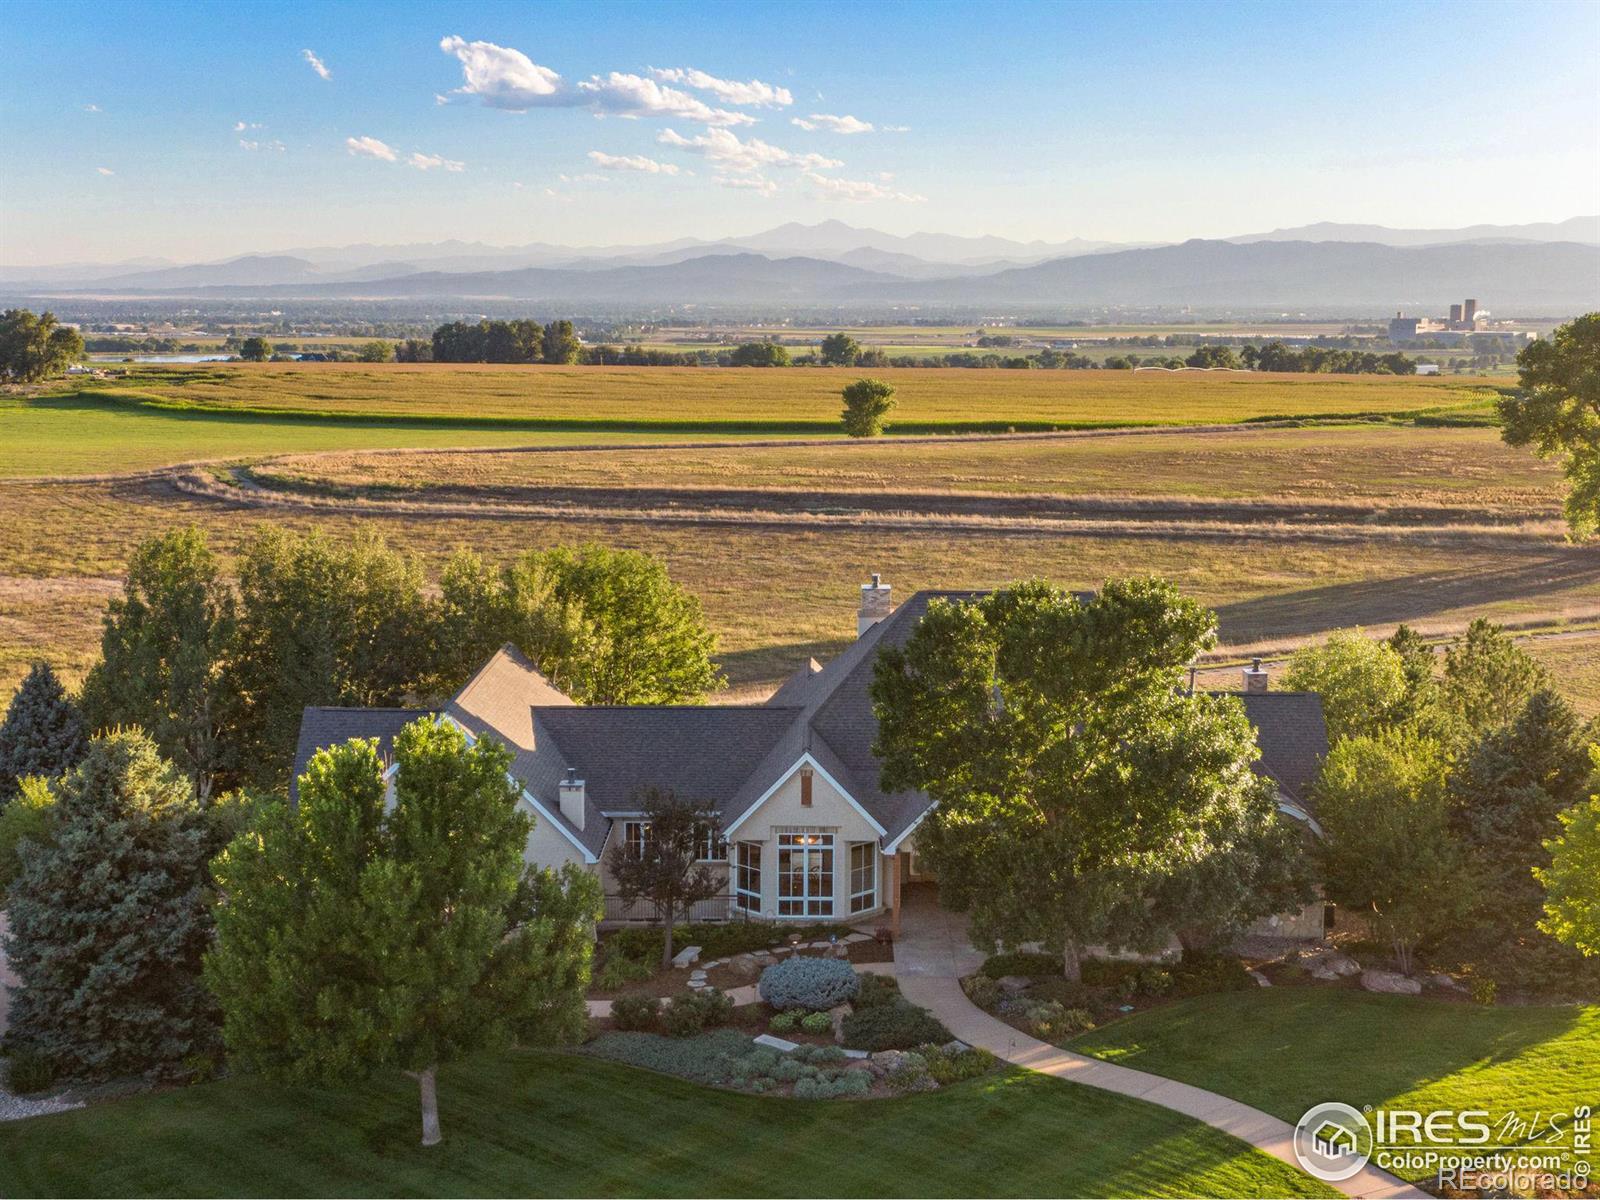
(933, 952)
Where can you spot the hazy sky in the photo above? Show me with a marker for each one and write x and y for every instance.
(197, 131)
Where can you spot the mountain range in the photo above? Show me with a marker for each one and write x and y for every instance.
(1548, 267)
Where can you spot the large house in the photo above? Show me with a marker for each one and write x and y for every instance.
(806, 831)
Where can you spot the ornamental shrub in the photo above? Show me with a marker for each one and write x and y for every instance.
(707, 1058)
(28, 1072)
(893, 1027)
(816, 1022)
(696, 1011)
(845, 1083)
(42, 733)
(947, 1066)
(1036, 966)
(983, 990)
(635, 1013)
(784, 1022)
(1052, 1020)
(816, 984)
(877, 989)
(910, 1074)
(618, 971)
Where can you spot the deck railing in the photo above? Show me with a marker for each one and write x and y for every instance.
(642, 912)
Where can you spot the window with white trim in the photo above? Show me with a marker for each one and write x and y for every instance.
(747, 877)
(635, 836)
(863, 877)
(805, 874)
(713, 846)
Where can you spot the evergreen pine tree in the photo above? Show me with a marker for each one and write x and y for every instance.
(42, 733)
(110, 918)
(1505, 795)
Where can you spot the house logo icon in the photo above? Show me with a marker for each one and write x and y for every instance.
(1333, 1141)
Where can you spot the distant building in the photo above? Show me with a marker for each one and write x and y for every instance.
(1455, 315)
(1403, 328)
(1427, 368)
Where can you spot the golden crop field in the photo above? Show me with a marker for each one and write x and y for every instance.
(798, 399)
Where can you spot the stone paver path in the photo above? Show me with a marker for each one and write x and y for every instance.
(933, 953)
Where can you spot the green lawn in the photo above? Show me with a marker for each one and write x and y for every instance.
(555, 1125)
(1285, 1049)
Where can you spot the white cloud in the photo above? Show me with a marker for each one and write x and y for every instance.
(631, 162)
(272, 147)
(105, 170)
(857, 190)
(728, 153)
(440, 98)
(623, 95)
(315, 64)
(759, 184)
(91, 108)
(894, 129)
(241, 126)
(371, 147)
(433, 162)
(506, 78)
(832, 124)
(730, 91)
(585, 177)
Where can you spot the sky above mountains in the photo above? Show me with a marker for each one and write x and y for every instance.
(185, 132)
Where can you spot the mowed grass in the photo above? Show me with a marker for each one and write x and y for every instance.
(1382, 465)
(541, 1124)
(792, 400)
(1285, 1049)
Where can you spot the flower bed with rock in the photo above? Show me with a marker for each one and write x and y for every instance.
(1028, 992)
(821, 1032)
(724, 956)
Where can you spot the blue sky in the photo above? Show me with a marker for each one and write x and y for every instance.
(199, 131)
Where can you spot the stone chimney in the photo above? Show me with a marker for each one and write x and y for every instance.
(572, 798)
(875, 604)
(1255, 677)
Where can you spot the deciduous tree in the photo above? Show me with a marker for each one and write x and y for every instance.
(1077, 784)
(1362, 682)
(322, 622)
(1572, 880)
(35, 347)
(866, 403)
(559, 343)
(1557, 411)
(357, 936)
(839, 350)
(255, 349)
(1387, 853)
(665, 867)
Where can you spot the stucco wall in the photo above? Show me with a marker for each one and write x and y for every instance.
(548, 846)
(829, 812)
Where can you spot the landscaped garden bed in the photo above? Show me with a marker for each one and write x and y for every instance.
(821, 1031)
(1028, 992)
(628, 961)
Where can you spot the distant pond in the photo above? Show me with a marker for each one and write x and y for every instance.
(160, 358)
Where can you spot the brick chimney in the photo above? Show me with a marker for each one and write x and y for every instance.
(572, 798)
(1255, 677)
(875, 604)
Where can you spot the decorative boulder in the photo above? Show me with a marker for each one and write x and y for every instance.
(1388, 981)
(814, 984)
(837, 1014)
(1014, 983)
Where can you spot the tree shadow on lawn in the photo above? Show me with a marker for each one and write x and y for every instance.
(1542, 572)
(1285, 1049)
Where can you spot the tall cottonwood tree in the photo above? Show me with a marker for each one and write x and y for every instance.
(1557, 411)
(1077, 785)
(322, 622)
(357, 936)
(166, 642)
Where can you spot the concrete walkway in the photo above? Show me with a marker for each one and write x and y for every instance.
(933, 953)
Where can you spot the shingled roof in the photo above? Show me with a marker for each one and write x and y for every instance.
(731, 756)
